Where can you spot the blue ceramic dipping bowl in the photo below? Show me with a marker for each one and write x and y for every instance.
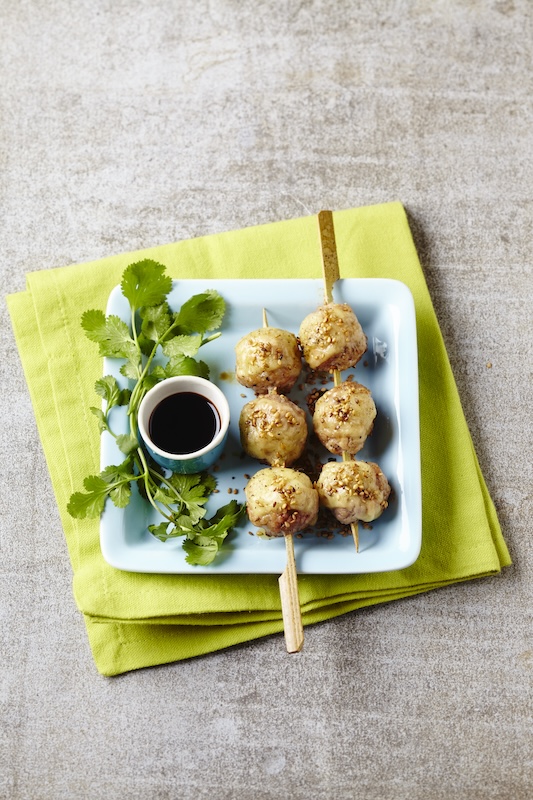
(198, 460)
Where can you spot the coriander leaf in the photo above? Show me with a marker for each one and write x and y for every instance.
(144, 283)
(165, 496)
(83, 505)
(194, 488)
(101, 417)
(200, 556)
(202, 312)
(146, 345)
(166, 530)
(93, 323)
(195, 512)
(124, 397)
(108, 388)
(120, 495)
(201, 547)
(153, 377)
(225, 518)
(131, 369)
(113, 481)
(189, 493)
(193, 492)
(160, 531)
(116, 472)
(158, 372)
(209, 482)
(89, 504)
(200, 539)
(183, 525)
(111, 333)
(183, 345)
(95, 483)
(156, 320)
(127, 443)
(185, 365)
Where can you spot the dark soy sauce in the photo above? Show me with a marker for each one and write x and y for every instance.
(183, 423)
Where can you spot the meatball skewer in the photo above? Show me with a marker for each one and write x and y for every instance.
(279, 499)
(331, 274)
(353, 490)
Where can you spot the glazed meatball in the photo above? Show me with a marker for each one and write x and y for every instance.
(344, 417)
(332, 338)
(273, 429)
(266, 358)
(353, 490)
(282, 501)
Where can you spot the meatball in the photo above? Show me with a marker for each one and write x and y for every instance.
(281, 500)
(353, 490)
(332, 338)
(344, 417)
(266, 358)
(273, 429)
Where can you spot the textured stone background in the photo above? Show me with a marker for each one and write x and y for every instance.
(129, 123)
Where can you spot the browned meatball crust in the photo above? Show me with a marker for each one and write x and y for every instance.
(273, 429)
(332, 338)
(267, 358)
(344, 417)
(353, 490)
(281, 500)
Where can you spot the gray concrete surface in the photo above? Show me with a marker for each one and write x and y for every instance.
(130, 123)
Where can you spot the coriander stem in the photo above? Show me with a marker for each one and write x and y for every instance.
(146, 477)
(211, 338)
(167, 483)
(133, 327)
(138, 388)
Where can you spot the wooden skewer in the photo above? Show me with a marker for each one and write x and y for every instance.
(330, 261)
(290, 601)
(288, 589)
(331, 274)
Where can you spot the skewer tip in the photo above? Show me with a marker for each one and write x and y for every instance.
(290, 602)
(355, 533)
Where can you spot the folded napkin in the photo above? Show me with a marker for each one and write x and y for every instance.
(138, 620)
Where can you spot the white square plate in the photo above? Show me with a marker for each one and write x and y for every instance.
(389, 369)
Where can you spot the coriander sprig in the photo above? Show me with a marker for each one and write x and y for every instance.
(154, 330)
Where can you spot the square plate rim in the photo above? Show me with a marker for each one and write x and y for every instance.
(316, 285)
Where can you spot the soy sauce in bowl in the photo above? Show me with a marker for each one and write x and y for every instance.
(184, 423)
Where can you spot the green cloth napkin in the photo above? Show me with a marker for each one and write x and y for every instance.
(138, 620)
